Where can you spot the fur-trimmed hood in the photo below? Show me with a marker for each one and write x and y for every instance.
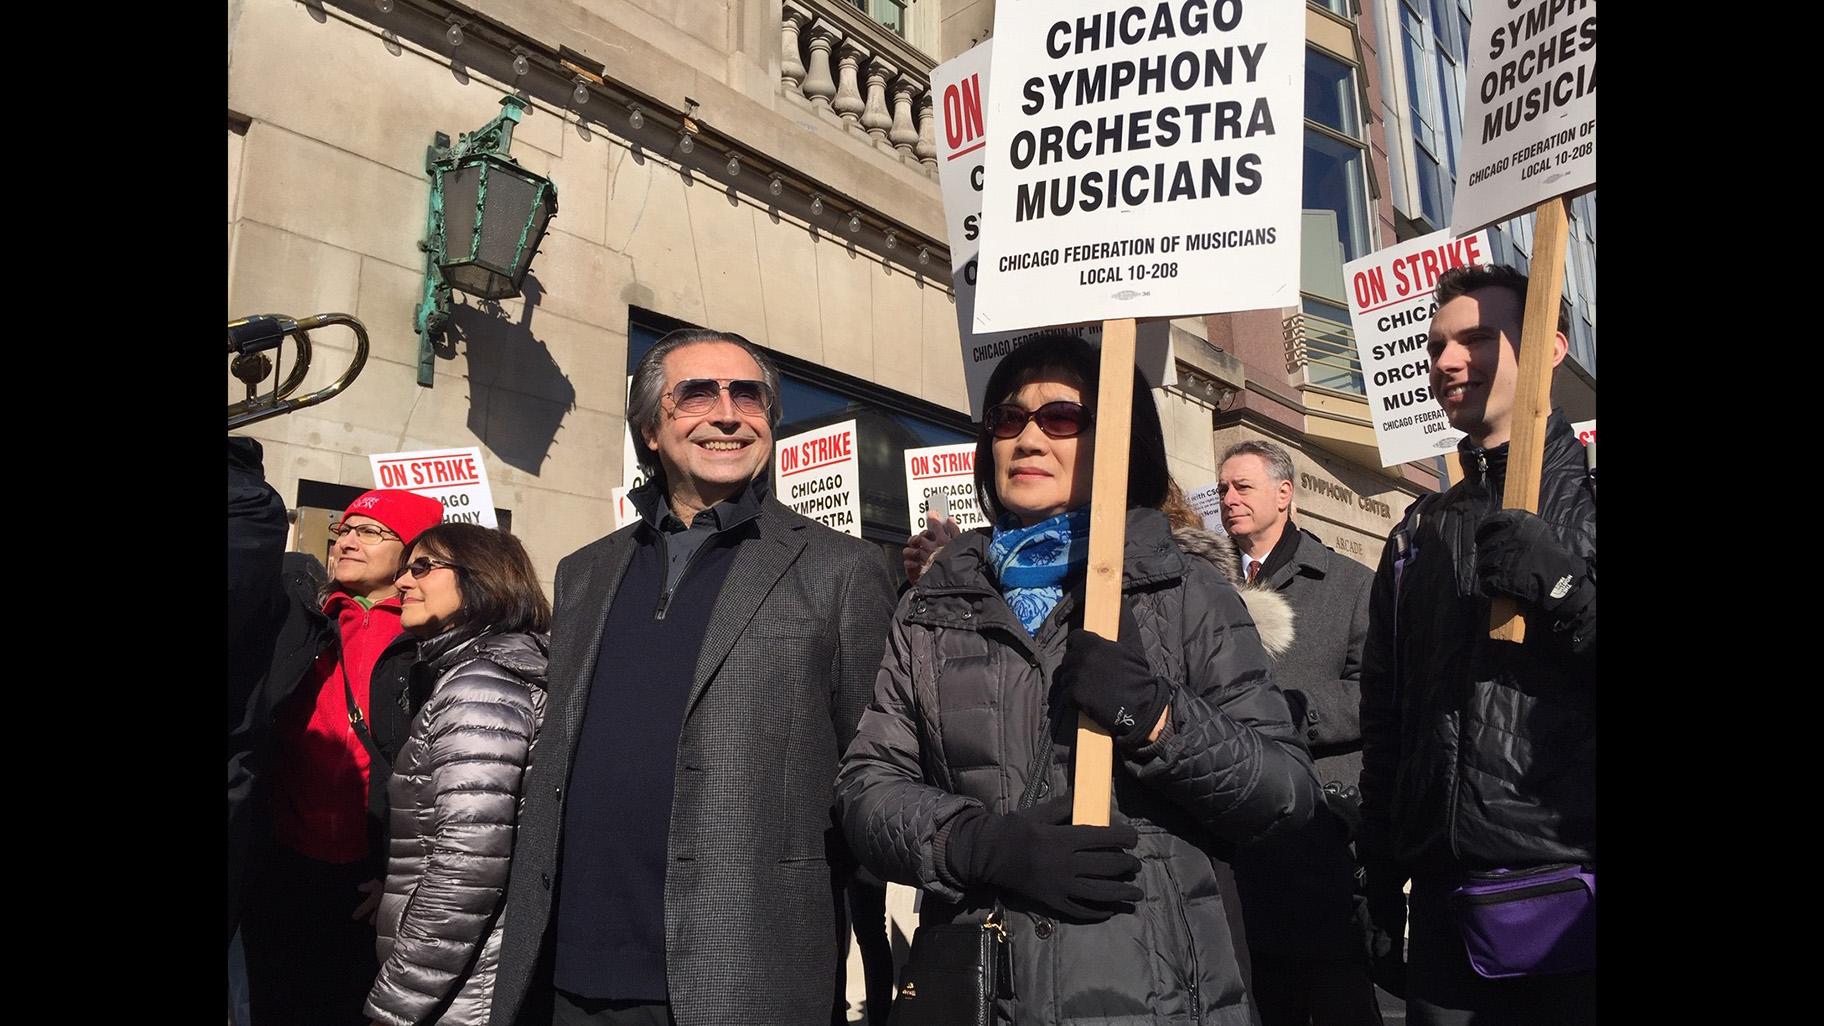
(1273, 615)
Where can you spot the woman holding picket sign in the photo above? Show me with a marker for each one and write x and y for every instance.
(958, 781)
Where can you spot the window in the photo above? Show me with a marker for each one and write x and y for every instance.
(1445, 28)
(891, 13)
(1421, 93)
(1333, 181)
(1330, 95)
(888, 423)
(1335, 177)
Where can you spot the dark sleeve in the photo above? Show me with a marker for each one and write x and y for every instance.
(864, 611)
(1232, 757)
(1380, 714)
(1338, 703)
(256, 545)
(893, 818)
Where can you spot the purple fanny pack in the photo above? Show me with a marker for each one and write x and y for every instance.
(1528, 922)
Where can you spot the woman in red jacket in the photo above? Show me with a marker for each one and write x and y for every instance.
(308, 927)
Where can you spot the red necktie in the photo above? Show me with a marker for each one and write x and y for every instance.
(1253, 571)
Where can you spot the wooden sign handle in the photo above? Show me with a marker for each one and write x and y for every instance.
(1533, 391)
(1094, 777)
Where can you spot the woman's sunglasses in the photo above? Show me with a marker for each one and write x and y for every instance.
(421, 566)
(1058, 420)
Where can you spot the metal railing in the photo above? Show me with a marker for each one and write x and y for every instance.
(1325, 349)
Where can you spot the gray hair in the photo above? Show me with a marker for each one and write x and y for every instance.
(649, 386)
(1277, 459)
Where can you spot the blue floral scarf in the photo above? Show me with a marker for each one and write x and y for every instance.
(1031, 563)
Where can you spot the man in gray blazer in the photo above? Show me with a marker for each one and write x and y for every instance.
(1297, 895)
(677, 860)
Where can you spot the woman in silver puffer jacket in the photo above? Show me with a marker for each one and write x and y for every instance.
(470, 593)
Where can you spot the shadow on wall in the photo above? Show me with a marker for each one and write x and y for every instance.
(518, 395)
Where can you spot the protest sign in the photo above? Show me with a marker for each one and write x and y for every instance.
(1146, 161)
(818, 473)
(1207, 501)
(960, 84)
(1529, 112)
(455, 477)
(631, 475)
(624, 513)
(943, 469)
(1390, 308)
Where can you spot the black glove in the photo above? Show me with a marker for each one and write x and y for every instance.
(1386, 927)
(1077, 872)
(1517, 555)
(1345, 801)
(1112, 681)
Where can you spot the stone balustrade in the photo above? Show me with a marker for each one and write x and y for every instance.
(878, 86)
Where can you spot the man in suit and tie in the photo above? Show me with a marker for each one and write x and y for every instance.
(1305, 930)
(677, 860)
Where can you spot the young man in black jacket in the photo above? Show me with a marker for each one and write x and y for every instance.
(1480, 755)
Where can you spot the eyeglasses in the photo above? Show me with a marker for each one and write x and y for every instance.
(696, 395)
(423, 565)
(370, 534)
(1058, 420)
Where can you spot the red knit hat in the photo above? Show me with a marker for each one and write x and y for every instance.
(406, 514)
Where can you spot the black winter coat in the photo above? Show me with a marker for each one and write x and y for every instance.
(965, 693)
(1298, 888)
(1479, 753)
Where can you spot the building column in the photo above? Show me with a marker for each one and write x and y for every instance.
(818, 85)
(849, 54)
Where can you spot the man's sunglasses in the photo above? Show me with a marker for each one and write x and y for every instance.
(421, 566)
(1058, 420)
(697, 395)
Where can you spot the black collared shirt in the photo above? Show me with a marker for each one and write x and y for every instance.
(681, 541)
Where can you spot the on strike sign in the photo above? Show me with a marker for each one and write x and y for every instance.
(949, 469)
(455, 477)
(1146, 160)
(960, 85)
(818, 474)
(1529, 119)
(1390, 308)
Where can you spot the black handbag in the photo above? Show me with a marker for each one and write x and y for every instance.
(956, 970)
(953, 974)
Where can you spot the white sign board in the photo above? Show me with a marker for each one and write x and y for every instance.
(455, 477)
(960, 85)
(1207, 501)
(631, 475)
(1147, 161)
(946, 469)
(818, 474)
(1586, 431)
(1390, 308)
(1529, 113)
(624, 513)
